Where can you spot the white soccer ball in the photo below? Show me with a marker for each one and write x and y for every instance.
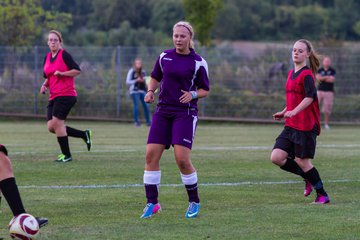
(23, 227)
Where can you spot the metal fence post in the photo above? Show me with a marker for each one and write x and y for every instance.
(36, 63)
(118, 87)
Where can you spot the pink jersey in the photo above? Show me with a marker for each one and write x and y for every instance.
(58, 85)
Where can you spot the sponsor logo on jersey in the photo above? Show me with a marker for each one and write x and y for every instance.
(168, 59)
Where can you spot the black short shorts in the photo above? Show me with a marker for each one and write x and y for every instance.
(3, 149)
(60, 107)
(297, 143)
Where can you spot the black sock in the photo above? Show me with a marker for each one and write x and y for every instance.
(152, 193)
(64, 145)
(11, 193)
(291, 166)
(314, 178)
(192, 191)
(72, 132)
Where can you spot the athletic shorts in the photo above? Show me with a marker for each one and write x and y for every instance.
(297, 143)
(60, 107)
(327, 100)
(3, 149)
(170, 127)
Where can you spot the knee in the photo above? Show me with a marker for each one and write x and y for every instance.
(151, 158)
(184, 165)
(276, 159)
(6, 167)
(51, 127)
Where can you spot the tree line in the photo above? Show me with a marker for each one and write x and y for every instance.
(149, 22)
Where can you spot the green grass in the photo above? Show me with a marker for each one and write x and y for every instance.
(248, 211)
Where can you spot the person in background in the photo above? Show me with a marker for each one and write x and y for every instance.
(326, 77)
(135, 79)
(59, 72)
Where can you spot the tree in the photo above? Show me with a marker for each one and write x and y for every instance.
(110, 14)
(18, 22)
(357, 27)
(343, 17)
(202, 14)
(22, 23)
(311, 22)
(165, 13)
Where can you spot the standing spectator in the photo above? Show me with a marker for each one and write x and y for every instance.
(136, 80)
(59, 72)
(326, 77)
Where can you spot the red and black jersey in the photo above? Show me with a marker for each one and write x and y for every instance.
(300, 85)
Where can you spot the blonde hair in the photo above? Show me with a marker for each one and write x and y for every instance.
(58, 34)
(314, 57)
(188, 26)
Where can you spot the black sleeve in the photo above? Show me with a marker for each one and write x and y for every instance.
(43, 67)
(69, 61)
(309, 86)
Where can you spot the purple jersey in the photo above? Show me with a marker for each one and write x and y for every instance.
(177, 72)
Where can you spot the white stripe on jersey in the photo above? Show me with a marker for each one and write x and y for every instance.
(195, 119)
(160, 58)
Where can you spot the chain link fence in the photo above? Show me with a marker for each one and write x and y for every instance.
(247, 81)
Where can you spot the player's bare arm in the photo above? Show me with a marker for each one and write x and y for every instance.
(150, 95)
(279, 115)
(304, 104)
(70, 73)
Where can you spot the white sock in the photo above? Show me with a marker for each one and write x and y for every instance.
(152, 177)
(189, 179)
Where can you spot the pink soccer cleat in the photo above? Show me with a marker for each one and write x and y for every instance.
(320, 199)
(308, 188)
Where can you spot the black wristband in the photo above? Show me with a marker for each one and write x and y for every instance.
(151, 91)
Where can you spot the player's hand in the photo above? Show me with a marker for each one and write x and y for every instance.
(43, 89)
(186, 97)
(149, 97)
(278, 116)
(289, 114)
(58, 73)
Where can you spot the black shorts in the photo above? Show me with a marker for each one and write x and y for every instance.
(297, 143)
(60, 107)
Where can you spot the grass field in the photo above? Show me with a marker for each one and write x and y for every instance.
(259, 202)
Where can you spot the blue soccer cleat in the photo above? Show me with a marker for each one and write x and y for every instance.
(150, 210)
(193, 210)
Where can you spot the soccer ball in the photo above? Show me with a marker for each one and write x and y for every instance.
(23, 227)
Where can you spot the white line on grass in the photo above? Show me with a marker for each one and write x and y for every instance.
(136, 185)
(207, 148)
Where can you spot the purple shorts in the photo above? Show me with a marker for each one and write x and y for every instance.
(169, 127)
